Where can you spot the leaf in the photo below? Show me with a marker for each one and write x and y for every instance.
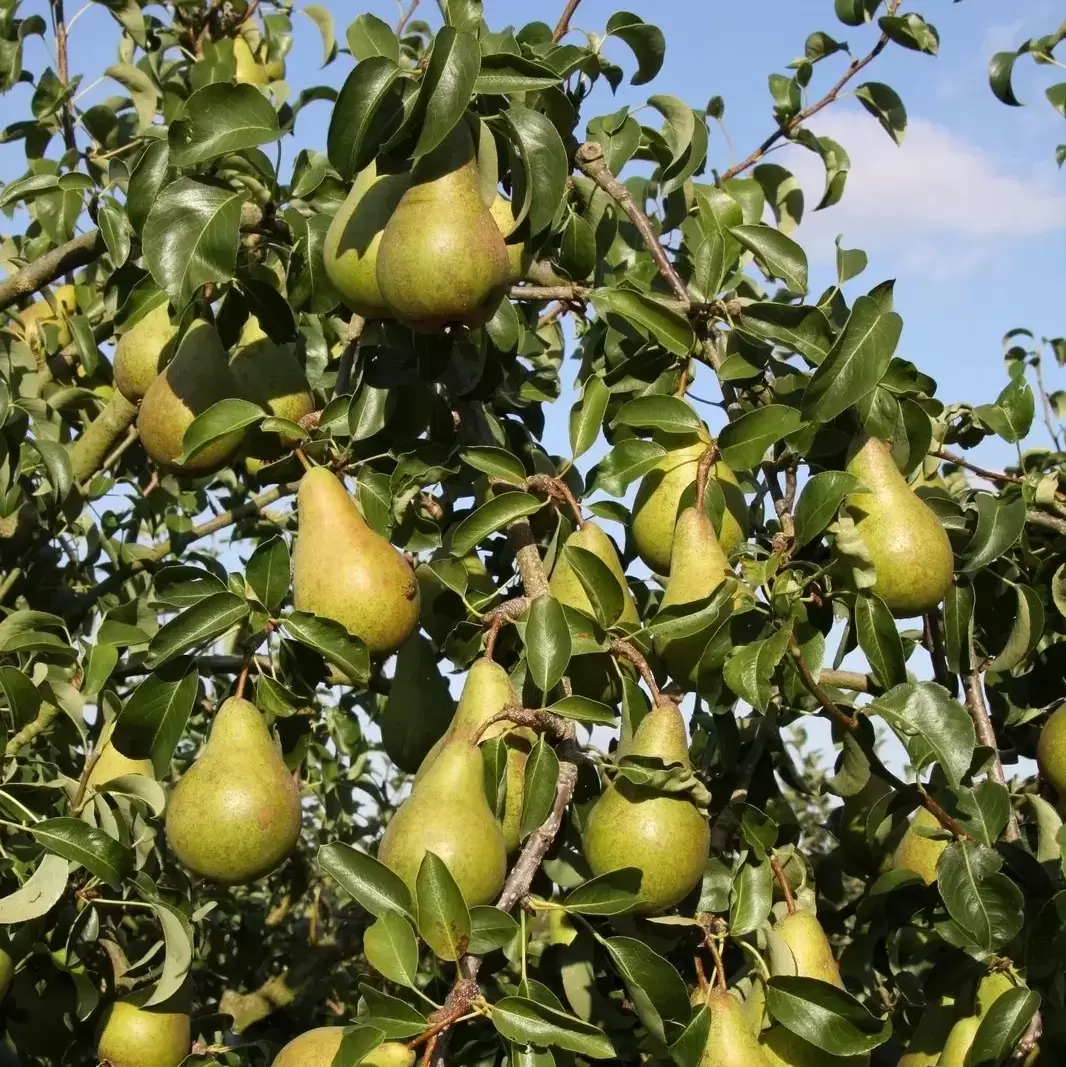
(220, 420)
(1003, 1026)
(147, 179)
(39, 894)
(744, 441)
(646, 42)
(368, 881)
(367, 111)
(613, 893)
(653, 319)
(443, 918)
(779, 255)
(190, 237)
(502, 74)
(586, 416)
(221, 119)
(395, 1018)
(1000, 69)
(177, 937)
(856, 362)
(331, 641)
(196, 626)
(268, 572)
(492, 516)
(931, 724)
(751, 898)
(101, 855)
(984, 811)
(528, 1022)
(602, 588)
(584, 709)
(153, 719)
(626, 462)
(656, 989)
(911, 31)
(496, 462)
(448, 84)
(57, 463)
(357, 1044)
(115, 229)
(986, 904)
(538, 790)
(323, 19)
(801, 329)
(541, 183)
(547, 641)
(825, 1016)
(879, 640)
(999, 525)
(369, 36)
(668, 413)
(819, 502)
(490, 929)
(391, 948)
(883, 102)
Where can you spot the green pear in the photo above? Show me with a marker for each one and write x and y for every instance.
(345, 571)
(960, 1040)
(991, 987)
(112, 764)
(930, 1035)
(1051, 751)
(919, 853)
(517, 254)
(782, 1048)
(270, 375)
(567, 589)
(196, 378)
(132, 1035)
(730, 1042)
(447, 814)
(669, 488)
(56, 310)
(664, 835)
(810, 948)
(700, 566)
(317, 1048)
(350, 251)
(442, 259)
(7, 972)
(235, 814)
(906, 541)
(142, 352)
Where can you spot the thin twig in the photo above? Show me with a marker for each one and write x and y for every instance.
(782, 881)
(562, 27)
(59, 25)
(631, 653)
(983, 472)
(45, 269)
(406, 17)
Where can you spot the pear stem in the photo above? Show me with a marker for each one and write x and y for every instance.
(242, 680)
(508, 611)
(719, 966)
(703, 473)
(624, 648)
(782, 881)
(304, 461)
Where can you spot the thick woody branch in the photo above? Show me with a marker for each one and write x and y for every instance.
(90, 451)
(630, 652)
(45, 269)
(32, 729)
(1049, 522)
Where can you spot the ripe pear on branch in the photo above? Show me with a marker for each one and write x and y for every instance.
(317, 1048)
(132, 1035)
(143, 351)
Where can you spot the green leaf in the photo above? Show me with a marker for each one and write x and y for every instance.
(177, 937)
(911, 31)
(653, 319)
(541, 183)
(751, 898)
(668, 413)
(323, 19)
(357, 1044)
(39, 894)
(221, 119)
(101, 855)
(819, 502)
(986, 904)
(1026, 630)
(22, 696)
(825, 1016)
(879, 640)
(369, 36)
(586, 416)
(547, 640)
(778, 255)
(656, 989)
(613, 893)
(999, 525)
(856, 362)
(538, 791)
(883, 102)
(448, 84)
(115, 229)
(599, 583)
(627, 461)
(220, 420)
(490, 929)
(800, 329)
(1003, 1026)
(496, 462)
(528, 1022)
(391, 948)
(502, 74)
(368, 881)
(56, 461)
(1011, 416)
(493, 515)
(196, 626)
(153, 719)
(331, 641)
(1000, 69)
(744, 441)
(855, 12)
(443, 918)
(367, 111)
(984, 811)
(190, 237)
(959, 607)
(268, 572)
(584, 709)
(646, 42)
(146, 180)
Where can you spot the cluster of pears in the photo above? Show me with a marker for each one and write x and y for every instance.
(425, 248)
(132, 1035)
(235, 814)
(174, 384)
(317, 1048)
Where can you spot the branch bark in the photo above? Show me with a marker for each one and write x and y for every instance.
(562, 27)
(59, 24)
(45, 269)
(32, 729)
(91, 449)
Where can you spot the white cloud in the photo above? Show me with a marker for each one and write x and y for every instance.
(933, 189)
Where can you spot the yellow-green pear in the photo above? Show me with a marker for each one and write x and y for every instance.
(991, 987)
(918, 853)
(235, 814)
(447, 814)
(7, 971)
(1051, 751)
(567, 588)
(669, 488)
(960, 1040)
(810, 948)
(782, 1048)
(345, 571)
(249, 70)
(664, 835)
(906, 541)
(930, 1035)
(195, 379)
(270, 375)
(442, 259)
(517, 254)
(63, 303)
(316, 1048)
(142, 352)
(350, 251)
(730, 1042)
(112, 764)
(132, 1035)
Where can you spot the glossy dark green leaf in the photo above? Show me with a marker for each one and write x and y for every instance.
(153, 719)
(626, 462)
(744, 441)
(443, 917)
(1003, 1026)
(493, 515)
(654, 986)
(392, 948)
(196, 626)
(1000, 70)
(984, 811)
(395, 1018)
(77, 841)
(584, 709)
(367, 107)
(999, 525)
(777, 254)
(751, 898)
(646, 42)
(819, 502)
(586, 416)
(495, 462)
(268, 572)
(911, 31)
(369, 36)
(805, 330)
(542, 180)
(879, 640)
(220, 119)
(490, 929)
(548, 643)
(825, 1016)
(526, 1021)
(220, 420)
(331, 641)
(985, 903)
(613, 893)
(538, 790)
(599, 583)
(146, 180)
(368, 881)
(883, 102)
(670, 414)
(448, 84)
(655, 320)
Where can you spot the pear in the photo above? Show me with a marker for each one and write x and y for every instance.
(907, 543)
(112, 764)
(142, 352)
(517, 254)
(1051, 751)
(63, 302)
(730, 1042)
(317, 1048)
(196, 378)
(235, 814)
(567, 589)
(665, 836)
(447, 814)
(249, 70)
(960, 1040)
(991, 987)
(810, 948)
(918, 853)
(7, 972)
(782, 1048)
(350, 251)
(669, 488)
(930, 1035)
(442, 259)
(345, 571)
(135, 1036)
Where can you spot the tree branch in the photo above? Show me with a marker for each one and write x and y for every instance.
(983, 472)
(59, 25)
(90, 450)
(406, 17)
(1049, 522)
(31, 730)
(45, 269)
(562, 27)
